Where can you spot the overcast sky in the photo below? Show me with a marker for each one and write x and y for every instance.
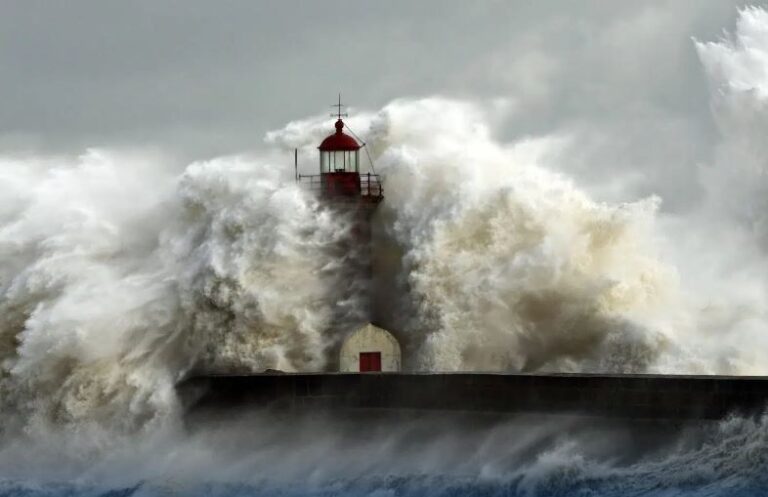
(206, 78)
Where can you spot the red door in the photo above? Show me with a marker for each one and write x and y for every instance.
(370, 361)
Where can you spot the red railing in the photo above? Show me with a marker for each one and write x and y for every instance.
(369, 186)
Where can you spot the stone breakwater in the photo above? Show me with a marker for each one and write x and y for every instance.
(625, 396)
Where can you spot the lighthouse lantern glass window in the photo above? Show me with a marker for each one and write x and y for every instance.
(338, 161)
(351, 161)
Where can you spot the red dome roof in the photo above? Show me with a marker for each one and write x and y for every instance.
(339, 140)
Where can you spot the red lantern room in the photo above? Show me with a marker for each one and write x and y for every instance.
(339, 152)
(340, 164)
(340, 179)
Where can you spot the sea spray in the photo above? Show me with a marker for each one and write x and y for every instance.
(515, 267)
(119, 279)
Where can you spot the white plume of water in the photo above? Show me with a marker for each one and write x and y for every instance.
(513, 267)
(119, 276)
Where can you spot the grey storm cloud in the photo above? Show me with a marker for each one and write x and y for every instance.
(199, 79)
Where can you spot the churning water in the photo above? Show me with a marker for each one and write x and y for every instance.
(120, 274)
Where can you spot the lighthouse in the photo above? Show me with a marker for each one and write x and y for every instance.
(340, 181)
(345, 185)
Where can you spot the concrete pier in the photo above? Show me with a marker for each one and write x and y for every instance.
(624, 396)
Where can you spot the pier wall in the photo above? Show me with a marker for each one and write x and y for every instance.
(628, 396)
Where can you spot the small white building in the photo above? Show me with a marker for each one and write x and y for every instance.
(370, 349)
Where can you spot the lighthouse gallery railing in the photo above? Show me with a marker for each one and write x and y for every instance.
(370, 185)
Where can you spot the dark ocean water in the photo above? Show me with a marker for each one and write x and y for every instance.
(422, 486)
(260, 455)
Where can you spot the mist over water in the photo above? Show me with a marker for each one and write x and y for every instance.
(121, 273)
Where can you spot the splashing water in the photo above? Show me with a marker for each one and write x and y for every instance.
(119, 274)
(119, 279)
